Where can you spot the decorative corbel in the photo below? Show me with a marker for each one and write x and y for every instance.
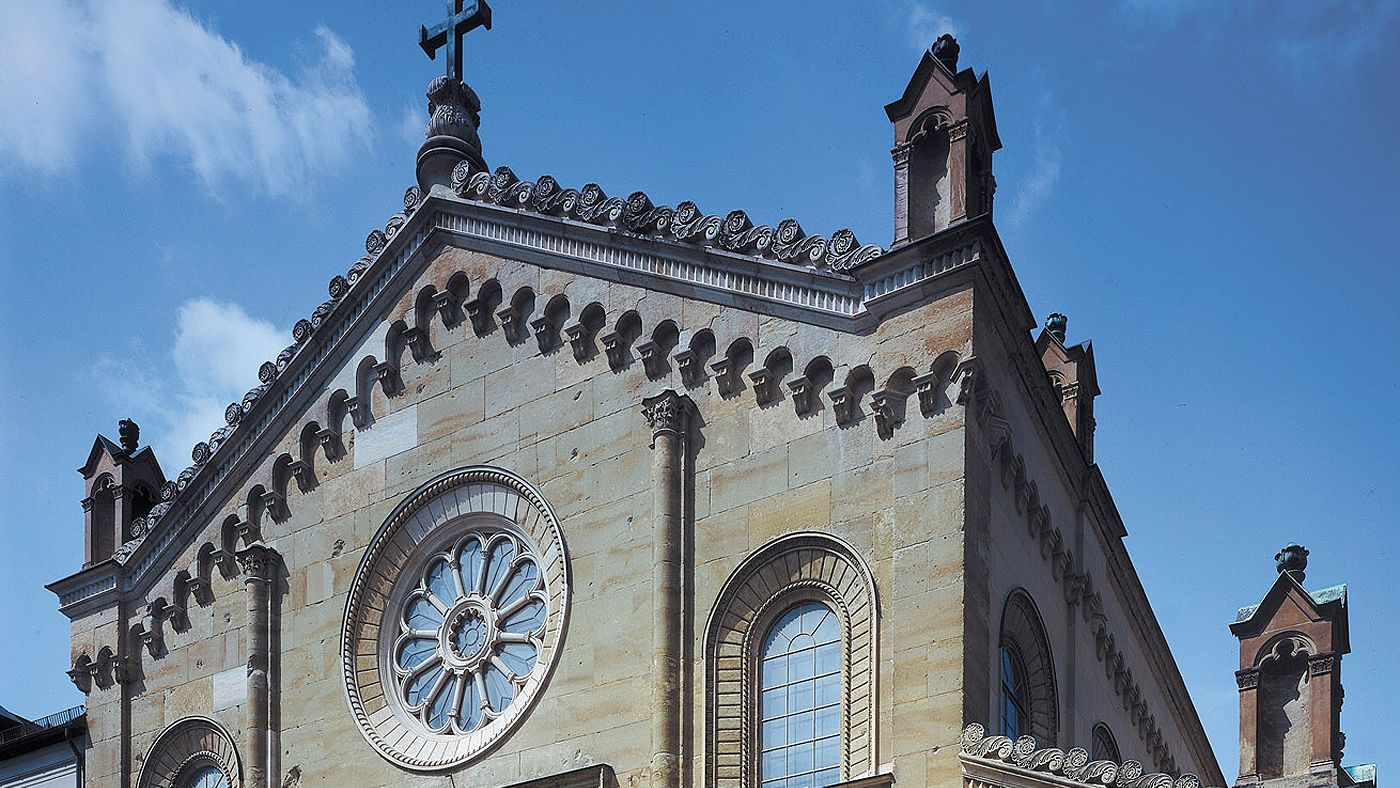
(652, 358)
(479, 315)
(842, 403)
(388, 375)
(302, 472)
(762, 385)
(688, 362)
(359, 413)
(275, 504)
(577, 334)
(615, 349)
(884, 405)
(82, 672)
(965, 378)
(331, 443)
(801, 389)
(446, 305)
(724, 380)
(419, 345)
(510, 322)
(926, 386)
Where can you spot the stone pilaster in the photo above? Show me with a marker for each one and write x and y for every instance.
(668, 414)
(259, 563)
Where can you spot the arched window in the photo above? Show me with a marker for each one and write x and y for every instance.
(1104, 747)
(207, 776)
(800, 705)
(1027, 699)
(194, 752)
(790, 654)
(1015, 705)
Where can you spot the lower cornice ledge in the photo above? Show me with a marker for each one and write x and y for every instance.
(869, 781)
(597, 776)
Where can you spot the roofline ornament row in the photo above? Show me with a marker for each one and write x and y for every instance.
(787, 243)
(1073, 764)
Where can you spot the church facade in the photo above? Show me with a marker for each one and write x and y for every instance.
(559, 488)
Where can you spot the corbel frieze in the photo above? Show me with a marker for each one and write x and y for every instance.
(1078, 586)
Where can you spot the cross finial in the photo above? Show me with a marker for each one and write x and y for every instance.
(462, 18)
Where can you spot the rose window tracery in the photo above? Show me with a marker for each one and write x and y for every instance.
(470, 633)
(455, 618)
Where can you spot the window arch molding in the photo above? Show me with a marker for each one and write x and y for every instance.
(1103, 744)
(788, 571)
(1023, 630)
(189, 746)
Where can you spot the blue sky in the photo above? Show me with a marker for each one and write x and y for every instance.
(1207, 190)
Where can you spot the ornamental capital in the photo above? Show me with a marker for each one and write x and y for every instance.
(668, 413)
(1322, 663)
(258, 562)
(1248, 678)
(900, 153)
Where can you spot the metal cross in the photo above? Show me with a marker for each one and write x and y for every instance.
(462, 18)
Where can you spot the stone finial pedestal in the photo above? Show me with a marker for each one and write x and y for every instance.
(454, 114)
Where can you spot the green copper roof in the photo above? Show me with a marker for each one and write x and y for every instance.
(1319, 597)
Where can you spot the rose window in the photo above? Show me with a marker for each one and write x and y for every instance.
(455, 619)
(470, 632)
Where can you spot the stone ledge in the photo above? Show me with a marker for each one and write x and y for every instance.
(599, 776)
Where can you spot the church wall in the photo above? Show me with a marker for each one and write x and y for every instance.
(1024, 553)
(576, 431)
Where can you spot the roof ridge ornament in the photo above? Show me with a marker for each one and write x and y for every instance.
(687, 223)
(454, 110)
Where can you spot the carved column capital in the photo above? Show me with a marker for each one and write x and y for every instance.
(900, 153)
(668, 413)
(258, 562)
(958, 130)
(1322, 663)
(1247, 679)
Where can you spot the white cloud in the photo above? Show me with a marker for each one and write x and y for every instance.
(213, 361)
(166, 85)
(412, 123)
(1046, 149)
(1307, 40)
(926, 24)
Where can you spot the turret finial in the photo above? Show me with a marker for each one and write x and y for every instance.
(129, 433)
(1292, 559)
(945, 51)
(1056, 324)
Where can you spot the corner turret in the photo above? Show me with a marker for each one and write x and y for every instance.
(121, 483)
(944, 136)
(1290, 682)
